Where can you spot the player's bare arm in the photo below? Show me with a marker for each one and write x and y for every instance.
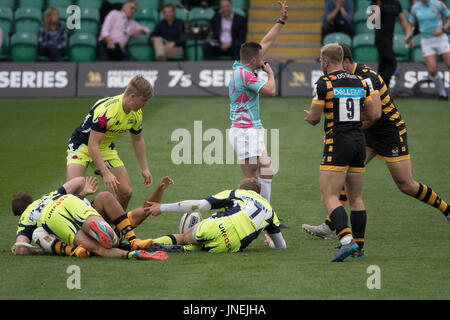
(314, 114)
(270, 37)
(268, 89)
(140, 152)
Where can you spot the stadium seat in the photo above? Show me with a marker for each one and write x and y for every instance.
(201, 15)
(62, 14)
(6, 19)
(93, 4)
(362, 4)
(240, 4)
(27, 20)
(5, 48)
(401, 51)
(146, 17)
(59, 3)
(174, 2)
(117, 1)
(82, 47)
(90, 21)
(24, 47)
(7, 4)
(191, 48)
(39, 4)
(338, 37)
(406, 4)
(149, 4)
(360, 22)
(240, 12)
(140, 49)
(364, 49)
(416, 52)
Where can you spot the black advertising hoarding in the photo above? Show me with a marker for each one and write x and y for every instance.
(38, 79)
(182, 78)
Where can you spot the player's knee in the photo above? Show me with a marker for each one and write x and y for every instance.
(126, 193)
(407, 187)
(104, 197)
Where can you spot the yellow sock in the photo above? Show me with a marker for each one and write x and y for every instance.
(61, 248)
(124, 225)
(169, 239)
(130, 218)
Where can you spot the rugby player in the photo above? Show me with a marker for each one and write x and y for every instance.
(345, 101)
(386, 139)
(243, 215)
(66, 214)
(93, 140)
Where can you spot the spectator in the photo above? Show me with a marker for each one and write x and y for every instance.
(229, 31)
(338, 17)
(390, 10)
(166, 38)
(117, 29)
(52, 36)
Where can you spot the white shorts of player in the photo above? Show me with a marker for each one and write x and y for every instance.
(435, 46)
(247, 142)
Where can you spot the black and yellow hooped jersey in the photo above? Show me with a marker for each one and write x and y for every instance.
(107, 116)
(390, 117)
(343, 95)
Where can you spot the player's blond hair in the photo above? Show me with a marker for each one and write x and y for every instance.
(250, 184)
(141, 87)
(333, 52)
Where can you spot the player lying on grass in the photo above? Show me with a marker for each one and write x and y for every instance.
(80, 227)
(243, 215)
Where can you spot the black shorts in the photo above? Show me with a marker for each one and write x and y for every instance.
(346, 151)
(390, 144)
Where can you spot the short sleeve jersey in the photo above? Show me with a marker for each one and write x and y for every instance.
(243, 90)
(249, 212)
(390, 116)
(343, 96)
(430, 16)
(107, 116)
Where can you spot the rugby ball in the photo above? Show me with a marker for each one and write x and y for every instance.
(42, 238)
(188, 220)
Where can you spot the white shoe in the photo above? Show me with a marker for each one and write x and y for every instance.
(322, 231)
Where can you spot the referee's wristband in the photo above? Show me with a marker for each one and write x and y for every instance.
(280, 21)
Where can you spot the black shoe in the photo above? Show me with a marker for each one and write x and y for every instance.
(443, 98)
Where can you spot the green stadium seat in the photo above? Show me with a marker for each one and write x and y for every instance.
(27, 20)
(7, 4)
(416, 51)
(39, 4)
(401, 51)
(179, 13)
(140, 49)
(117, 1)
(360, 22)
(90, 21)
(6, 20)
(364, 49)
(406, 4)
(338, 37)
(82, 47)
(59, 3)
(174, 2)
(240, 4)
(145, 14)
(93, 4)
(201, 15)
(362, 4)
(191, 48)
(24, 47)
(149, 4)
(5, 47)
(62, 14)
(240, 12)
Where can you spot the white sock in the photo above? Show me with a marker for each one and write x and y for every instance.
(266, 187)
(346, 240)
(439, 83)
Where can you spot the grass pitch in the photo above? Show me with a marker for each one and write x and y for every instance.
(406, 239)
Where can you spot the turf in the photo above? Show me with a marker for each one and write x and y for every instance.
(405, 238)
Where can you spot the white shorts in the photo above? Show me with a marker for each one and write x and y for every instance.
(247, 142)
(435, 46)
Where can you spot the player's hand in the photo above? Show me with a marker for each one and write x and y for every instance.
(268, 241)
(90, 186)
(165, 182)
(153, 208)
(267, 68)
(283, 10)
(111, 182)
(148, 179)
(438, 32)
